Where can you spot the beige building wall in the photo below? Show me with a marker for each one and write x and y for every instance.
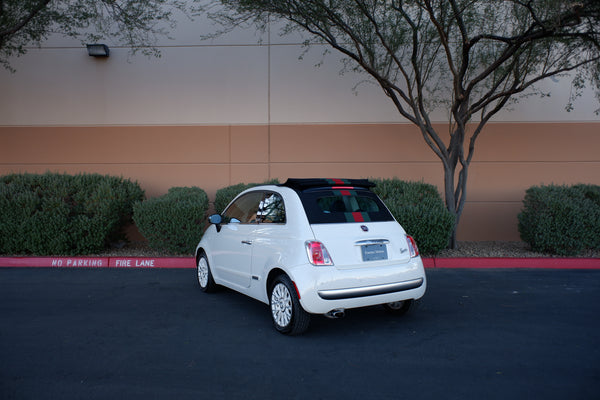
(238, 109)
(511, 157)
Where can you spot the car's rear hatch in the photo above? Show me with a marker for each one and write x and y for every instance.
(355, 226)
(363, 245)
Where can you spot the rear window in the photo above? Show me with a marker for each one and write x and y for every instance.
(324, 206)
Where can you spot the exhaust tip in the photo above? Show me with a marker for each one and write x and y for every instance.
(337, 313)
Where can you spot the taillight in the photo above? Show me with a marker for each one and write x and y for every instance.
(317, 253)
(412, 246)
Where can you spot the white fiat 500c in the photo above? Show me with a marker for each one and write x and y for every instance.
(311, 246)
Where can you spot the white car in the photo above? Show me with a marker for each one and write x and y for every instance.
(311, 246)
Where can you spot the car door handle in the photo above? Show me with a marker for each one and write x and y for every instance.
(246, 241)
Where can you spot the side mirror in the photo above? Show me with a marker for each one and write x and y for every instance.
(215, 219)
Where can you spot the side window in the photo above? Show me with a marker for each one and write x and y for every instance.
(245, 208)
(271, 209)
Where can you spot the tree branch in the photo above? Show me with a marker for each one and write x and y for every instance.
(23, 22)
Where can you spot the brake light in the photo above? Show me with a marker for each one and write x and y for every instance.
(318, 254)
(412, 246)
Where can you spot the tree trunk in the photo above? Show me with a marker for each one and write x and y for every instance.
(449, 193)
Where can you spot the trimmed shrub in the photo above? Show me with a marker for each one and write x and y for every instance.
(562, 220)
(174, 222)
(226, 194)
(591, 194)
(419, 208)
(60, 214)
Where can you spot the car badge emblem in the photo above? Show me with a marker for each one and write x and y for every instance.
(364, 228)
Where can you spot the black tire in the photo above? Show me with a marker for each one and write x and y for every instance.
(204, 276)
(288, 315)
(398, 307)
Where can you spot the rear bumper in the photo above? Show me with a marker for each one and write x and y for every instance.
(337, 294)
(323, 289)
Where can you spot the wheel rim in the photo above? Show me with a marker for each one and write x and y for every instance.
(203, 272)
(281, 305)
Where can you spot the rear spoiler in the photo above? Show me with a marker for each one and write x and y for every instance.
(299, 184)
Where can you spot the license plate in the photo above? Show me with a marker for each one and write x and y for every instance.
(374, 252)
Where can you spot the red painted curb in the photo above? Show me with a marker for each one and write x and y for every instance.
(189, 262)
(99, 262)
(148, 262)
(67, 262)
(428, 262)
(500, 262)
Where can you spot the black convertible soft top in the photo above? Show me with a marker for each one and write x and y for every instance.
(300, 184)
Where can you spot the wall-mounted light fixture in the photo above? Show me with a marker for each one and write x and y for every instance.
(98, 50)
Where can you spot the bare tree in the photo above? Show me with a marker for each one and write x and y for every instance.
(469, 57)
(136, 24)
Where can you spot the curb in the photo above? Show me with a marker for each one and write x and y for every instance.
(509, 262)
(99, 262)
(189, 262)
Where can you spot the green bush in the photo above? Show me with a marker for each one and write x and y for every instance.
(226, 194)
(419, 208)
(562, 220)
(175, 221)
(60, 214)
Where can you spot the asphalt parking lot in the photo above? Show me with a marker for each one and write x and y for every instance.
(151, 334)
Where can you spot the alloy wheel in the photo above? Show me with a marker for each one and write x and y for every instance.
(281, 305)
